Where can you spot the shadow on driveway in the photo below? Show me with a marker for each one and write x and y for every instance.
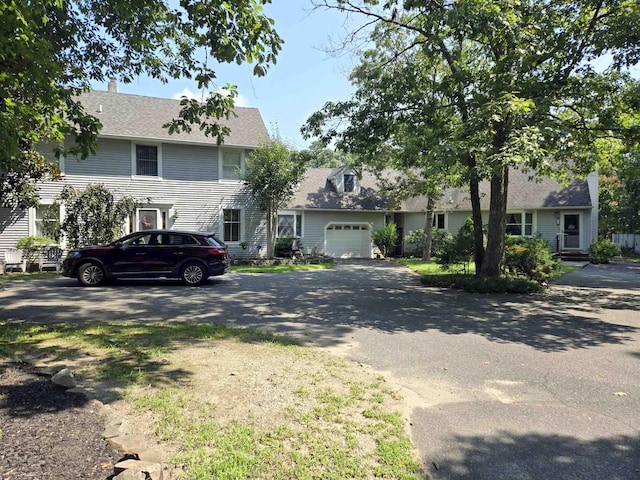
(323, 307)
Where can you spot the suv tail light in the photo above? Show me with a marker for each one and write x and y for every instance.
(217, 251)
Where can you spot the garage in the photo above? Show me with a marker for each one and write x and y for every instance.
(348, 240)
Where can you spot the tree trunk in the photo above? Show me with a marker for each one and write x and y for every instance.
(476, 215)
(428, 230)
(491, 265)
(272, 228)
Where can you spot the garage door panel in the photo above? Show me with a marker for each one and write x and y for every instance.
(348, 241)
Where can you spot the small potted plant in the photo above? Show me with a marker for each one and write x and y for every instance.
(244, 245)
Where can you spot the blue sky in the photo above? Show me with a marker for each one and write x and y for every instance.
(303, 79)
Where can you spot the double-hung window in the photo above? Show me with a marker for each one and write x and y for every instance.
(349, 183)
(47, 221)
(231, 165)
(232, 224)
(438, 221)
(520, 224)
(147, 160)
(289, 225)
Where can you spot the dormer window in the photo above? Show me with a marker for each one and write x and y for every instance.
(349, 183)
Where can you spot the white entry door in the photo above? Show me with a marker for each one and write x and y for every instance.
(571, 231)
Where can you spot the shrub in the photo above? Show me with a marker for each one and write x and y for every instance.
(385, 238)
(457, 250)
(284, 246)
(439, 240)
(415, 242)
(602, 251)
(33, 247)
(477, 284)
(530, 257)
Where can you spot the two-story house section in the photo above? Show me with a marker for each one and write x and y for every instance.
(186, 180)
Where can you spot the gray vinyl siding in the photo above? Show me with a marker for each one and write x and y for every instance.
(189, 163)
(413, 221)
(13, 226)
(189, 186)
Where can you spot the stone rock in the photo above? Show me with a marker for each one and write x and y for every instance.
(64, 378)
(150, 470)
(127, 444)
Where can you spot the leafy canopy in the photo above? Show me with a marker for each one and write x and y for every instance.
(93, 216)
(476, 87)
(272, 174)
(52, 50)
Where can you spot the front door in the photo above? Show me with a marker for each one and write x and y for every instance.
(571, 231)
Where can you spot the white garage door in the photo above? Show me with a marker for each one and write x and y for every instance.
(346, 240)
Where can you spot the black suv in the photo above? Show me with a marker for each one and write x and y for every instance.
(190, 256)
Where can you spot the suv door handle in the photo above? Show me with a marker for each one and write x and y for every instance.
(140, 253)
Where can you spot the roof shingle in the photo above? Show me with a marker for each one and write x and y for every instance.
(137, 116)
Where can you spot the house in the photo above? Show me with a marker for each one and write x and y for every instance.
(187, 180)
(334, 211)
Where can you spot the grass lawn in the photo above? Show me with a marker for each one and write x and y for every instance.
(321, 417)
(280, 268)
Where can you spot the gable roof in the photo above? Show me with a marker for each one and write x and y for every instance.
(137, 116)
(525, 192)
(316, 191)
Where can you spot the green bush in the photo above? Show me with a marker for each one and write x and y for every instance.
(385, 238)
(530, 257)
(33, 247)
(477, 284)
(415, 241)
(457, 250)
(602, 251)
(284, 246)
(439, 241)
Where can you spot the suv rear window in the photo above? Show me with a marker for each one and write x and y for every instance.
(214, 242)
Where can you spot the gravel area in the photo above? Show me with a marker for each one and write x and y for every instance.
(48, 434)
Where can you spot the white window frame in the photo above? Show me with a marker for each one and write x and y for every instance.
(523, 222)
(158, 215)
(295, 222)
(242, 224)
(434, 222)
(221, 177)
(33, 217)
(134, 160)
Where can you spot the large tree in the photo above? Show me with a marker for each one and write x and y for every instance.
(52, 50)
(507, 84)
(272, 173)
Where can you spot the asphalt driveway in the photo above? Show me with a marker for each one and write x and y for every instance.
(498, 387)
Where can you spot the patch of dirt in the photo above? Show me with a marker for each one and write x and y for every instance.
(47, 433)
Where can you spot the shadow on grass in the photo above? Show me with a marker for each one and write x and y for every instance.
(117, 353)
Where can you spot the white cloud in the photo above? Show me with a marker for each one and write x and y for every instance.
(240, 100)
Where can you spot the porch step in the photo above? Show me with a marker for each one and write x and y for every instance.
(573, 256)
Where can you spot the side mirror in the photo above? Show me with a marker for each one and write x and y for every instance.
(118, 245)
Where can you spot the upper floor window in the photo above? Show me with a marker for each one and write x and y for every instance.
(349, 183)
(231, 229)
(147, 160)
(289, 225)
(231, 165)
